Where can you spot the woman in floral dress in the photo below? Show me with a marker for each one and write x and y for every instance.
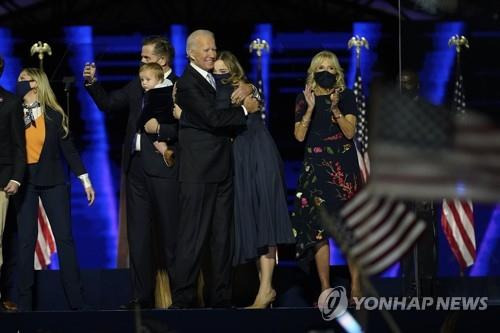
(325, 117)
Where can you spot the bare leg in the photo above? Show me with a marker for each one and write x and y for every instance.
(355, 281)
(322, 258)
(266, 294)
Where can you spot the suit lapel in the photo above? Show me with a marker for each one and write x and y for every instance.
(197, 76)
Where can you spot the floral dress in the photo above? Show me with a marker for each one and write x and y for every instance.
(330, 172)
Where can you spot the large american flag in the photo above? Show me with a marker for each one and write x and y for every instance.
(457, 218)
(362, 126)
(45, 243)
(374, 231)
(420, 151)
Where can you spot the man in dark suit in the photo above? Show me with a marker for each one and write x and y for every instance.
(419, 266)
(12, 162)
(206, 178)
(151, 187)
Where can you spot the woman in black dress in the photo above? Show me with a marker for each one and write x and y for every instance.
(261, 213)
(325, 117)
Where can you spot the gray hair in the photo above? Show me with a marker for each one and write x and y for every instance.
(191, 40)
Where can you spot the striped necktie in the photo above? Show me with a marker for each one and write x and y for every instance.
(211, 80)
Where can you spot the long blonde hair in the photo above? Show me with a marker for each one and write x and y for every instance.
(317, 60)
(237, 74)
(46, 96)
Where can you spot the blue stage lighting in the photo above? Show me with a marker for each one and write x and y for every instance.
(12, 65)
(438, 63)
(178, 36)
(95, 228)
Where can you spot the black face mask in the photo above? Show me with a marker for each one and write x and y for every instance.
(325, 79)
(22, 88)
(220, 77)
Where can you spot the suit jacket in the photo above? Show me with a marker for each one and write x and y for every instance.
(204, 134)
(50, 169)
(12, 139)
(130, 97)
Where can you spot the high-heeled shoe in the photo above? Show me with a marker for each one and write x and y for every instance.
(263, 302)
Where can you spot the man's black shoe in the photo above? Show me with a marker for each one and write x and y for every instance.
(133, 305)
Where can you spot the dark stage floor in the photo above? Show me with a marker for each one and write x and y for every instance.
(239, 320)
(105, 290)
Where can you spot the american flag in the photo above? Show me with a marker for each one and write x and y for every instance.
(362, 127)
(457, 218)
(420, 151)
(45, 243)
(376, 231)
(457, 221)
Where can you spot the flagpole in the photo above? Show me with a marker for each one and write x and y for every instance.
(358, 42)
(41, 49)
(458, 42)
(400, 58)
(259, 45)
(459, 108)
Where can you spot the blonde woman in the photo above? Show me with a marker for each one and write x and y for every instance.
(261, 214)
(325, 118)
(47, 136)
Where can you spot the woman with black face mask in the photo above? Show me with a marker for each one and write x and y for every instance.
(47, 142)
(325, 117)
(261, 213)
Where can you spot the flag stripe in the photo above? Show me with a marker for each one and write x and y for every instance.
(46, 230)
(366, 163)
(39, 257)
(391, 237)
(360, 219)
(380, 229)
(402, 247)
(453, 242)
(362, 166)
(462, 211)
(360, 199)
(461, 243)
(380, 220)
(45, 243)
(407, 236)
